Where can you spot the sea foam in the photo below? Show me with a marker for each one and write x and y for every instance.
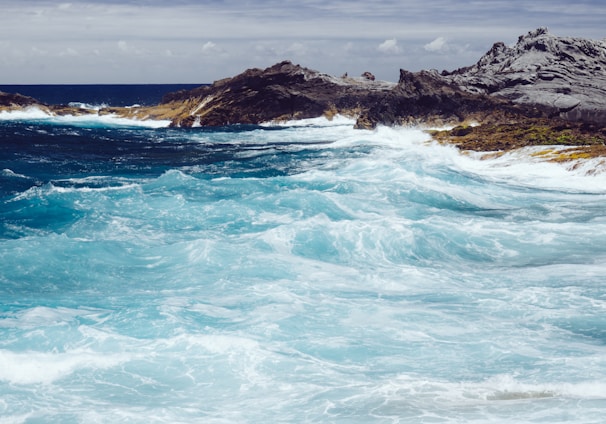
(34, 114)
(312, 273)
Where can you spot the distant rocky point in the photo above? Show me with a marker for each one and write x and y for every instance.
(543, 81)
(15, 101)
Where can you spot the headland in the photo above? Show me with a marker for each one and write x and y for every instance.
(544, 90)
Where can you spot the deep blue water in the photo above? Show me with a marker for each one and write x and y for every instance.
(109, 94)
(295, 273)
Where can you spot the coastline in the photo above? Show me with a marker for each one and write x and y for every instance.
(540, 92)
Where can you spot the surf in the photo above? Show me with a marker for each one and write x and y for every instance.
(308, 271)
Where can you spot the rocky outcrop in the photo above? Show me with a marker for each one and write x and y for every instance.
(503, 135)
(542, 75)
(426, 97)
(284, 91)
(287, 91)
(565, 77)
(15, 101)
(10, 101)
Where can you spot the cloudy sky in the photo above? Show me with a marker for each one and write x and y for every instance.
(198, 41)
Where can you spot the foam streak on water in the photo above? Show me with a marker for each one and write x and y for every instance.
(309, 273)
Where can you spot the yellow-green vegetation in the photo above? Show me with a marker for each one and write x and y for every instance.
(583, 152)
(522, 132)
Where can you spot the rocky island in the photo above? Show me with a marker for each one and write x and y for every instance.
(544, 90)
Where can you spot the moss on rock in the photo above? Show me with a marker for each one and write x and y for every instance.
(526, 132)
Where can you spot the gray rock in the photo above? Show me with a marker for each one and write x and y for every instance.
(563, 76)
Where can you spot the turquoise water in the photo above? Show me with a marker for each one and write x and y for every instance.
(294, 273)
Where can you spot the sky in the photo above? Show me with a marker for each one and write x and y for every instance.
(197, 41)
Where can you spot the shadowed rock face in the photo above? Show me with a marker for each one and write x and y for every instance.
(15, 101)
(563, 76)
(426, 97)
(281, 92)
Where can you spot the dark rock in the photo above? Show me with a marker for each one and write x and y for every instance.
(15, 101)
(368, 76)
(425, 97)
(281, 92)
(9, 100)
(541, 77)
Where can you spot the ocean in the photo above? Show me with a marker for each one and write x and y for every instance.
(302, 272)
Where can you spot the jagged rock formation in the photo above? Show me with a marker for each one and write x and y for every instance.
(425, 97)
(563, 76)
(281, 92)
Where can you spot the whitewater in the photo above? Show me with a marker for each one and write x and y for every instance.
(294, 272)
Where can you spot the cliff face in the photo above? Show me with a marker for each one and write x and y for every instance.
(563, 76)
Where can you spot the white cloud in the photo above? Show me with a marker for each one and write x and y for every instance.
(437, 45)
(211, 48)
(389, 46)
(122, 37)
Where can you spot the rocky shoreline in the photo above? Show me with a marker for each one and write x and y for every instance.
(545, 90)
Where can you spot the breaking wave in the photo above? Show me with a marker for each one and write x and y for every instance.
(295, 272)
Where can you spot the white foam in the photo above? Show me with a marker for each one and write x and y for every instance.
(87, 106)
(336, 121)
(50, 188)
(110, 120)
(523, 168)
(47, 367)
(42, 316)
(11, 174)
(469, 399)
(26, 114)
(36, 114)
